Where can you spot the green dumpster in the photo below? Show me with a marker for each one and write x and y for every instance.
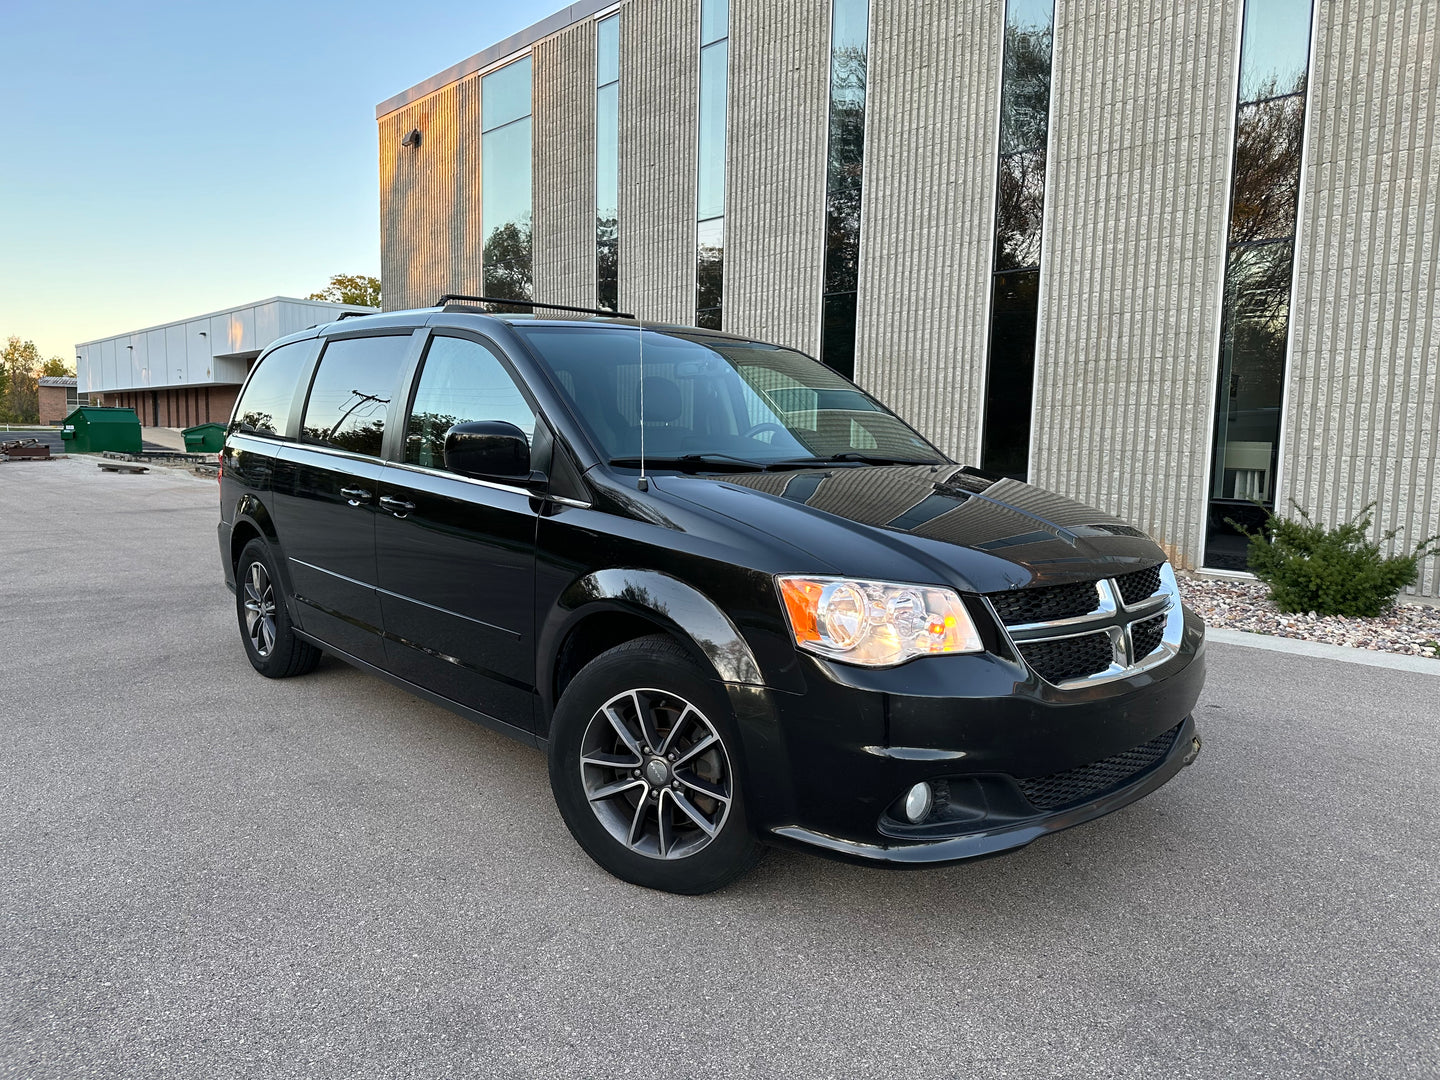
(204, 438)
(91, 429)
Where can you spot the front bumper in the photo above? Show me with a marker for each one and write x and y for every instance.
(997, 835)
(1012, 757)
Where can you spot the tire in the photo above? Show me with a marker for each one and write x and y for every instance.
(672, 818)
(265, 628)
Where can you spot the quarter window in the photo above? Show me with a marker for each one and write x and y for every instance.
(350, 397)
(462, 382)
(264, 407)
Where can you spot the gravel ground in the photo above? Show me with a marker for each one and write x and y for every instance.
(1413, 629)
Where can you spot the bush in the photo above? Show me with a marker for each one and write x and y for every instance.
(1331, 571)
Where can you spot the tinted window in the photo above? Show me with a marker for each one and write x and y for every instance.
(462, 381)
(264, 407)
(350, 397)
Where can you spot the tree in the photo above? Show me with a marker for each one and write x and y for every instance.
(360, 289)
(22, 364)
(56, 367)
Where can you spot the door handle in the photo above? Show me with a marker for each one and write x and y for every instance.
(355, 496)
(398, 507)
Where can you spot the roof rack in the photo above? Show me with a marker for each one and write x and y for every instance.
(444, 300)
(353, 315)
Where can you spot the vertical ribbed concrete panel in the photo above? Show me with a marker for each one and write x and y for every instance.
(1126, 353)
(564, 127)
(928, 214)
(430, 197)
(775, 207)
(1362, 415)
(659, 69)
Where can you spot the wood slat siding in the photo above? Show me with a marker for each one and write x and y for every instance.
(564, 184)
(1141, 120)
(659, 69)
(1362, 417)
(775, 202)
(430, 198)
(928, 214)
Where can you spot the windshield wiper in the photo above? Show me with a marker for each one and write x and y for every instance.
(878, 459)
(682, 460)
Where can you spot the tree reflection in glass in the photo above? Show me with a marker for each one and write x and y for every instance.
(845, 165)
(1255, 318)
(505, 174)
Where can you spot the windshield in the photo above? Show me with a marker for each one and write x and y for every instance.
(716, 398)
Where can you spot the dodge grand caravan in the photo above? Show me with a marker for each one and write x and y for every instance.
(734, 599)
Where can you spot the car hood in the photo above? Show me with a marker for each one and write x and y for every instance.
(981, 533)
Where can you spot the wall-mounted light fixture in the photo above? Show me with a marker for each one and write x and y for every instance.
(203, 334)
(413, 139)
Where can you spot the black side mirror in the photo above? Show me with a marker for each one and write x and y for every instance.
(488, 449)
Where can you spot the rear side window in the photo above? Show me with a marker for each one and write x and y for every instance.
(264, 408)
(350, 397)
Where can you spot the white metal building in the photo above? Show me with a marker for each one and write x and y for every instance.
(188, 372)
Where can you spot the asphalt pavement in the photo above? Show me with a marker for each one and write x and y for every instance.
(207, 874)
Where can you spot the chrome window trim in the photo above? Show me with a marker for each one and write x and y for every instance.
(351, 456)
(512, 488)
(1117, 619)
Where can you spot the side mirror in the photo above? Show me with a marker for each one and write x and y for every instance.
(488, 449)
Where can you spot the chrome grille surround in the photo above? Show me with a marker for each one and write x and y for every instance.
(1117, 619)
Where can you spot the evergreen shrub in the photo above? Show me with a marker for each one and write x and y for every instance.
(1334, 571)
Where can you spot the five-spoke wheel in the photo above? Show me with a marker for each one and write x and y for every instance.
(644, 766)
(272, 645)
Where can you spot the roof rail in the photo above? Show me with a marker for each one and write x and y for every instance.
(353, 315)
(444, 300)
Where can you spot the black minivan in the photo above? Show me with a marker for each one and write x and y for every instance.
(735, 599)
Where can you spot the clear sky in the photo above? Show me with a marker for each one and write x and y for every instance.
(161, 160)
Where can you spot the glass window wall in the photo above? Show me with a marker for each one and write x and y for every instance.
(1255, 319)
(1019, 214)
(505, 189)
(607, 162)
(710, 190)
(849, 41)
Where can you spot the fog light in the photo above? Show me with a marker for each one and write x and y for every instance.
(918, 801)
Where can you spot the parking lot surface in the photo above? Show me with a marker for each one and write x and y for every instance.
(204, 873)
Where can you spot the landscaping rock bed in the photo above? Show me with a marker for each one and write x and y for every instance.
(1413, 629)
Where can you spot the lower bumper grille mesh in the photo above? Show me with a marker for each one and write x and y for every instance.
(1077, 785)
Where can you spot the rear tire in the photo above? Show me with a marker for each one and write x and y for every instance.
(644, 760)
(274, 649)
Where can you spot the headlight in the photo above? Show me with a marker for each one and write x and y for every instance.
(876, 623)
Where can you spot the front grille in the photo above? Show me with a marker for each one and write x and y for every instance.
(1046, 603)
(1139, 585)
(1146, 635)
(1077, 785)
(1059, 659)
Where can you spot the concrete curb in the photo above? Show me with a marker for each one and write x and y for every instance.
(1322, 651)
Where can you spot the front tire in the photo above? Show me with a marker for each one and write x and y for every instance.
(271, 643)
(644, 768)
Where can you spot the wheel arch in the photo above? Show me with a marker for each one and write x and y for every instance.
(609, 607)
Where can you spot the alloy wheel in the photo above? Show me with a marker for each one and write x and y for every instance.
(656, 773)
(260, 609)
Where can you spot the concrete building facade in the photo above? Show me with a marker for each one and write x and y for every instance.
(189, 372)
(1170, 259)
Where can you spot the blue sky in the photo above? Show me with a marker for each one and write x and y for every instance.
(162, 160)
